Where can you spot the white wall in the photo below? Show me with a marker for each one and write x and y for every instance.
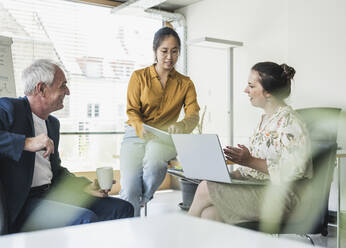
(308, 35)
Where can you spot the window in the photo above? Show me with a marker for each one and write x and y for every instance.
(93, 110)
(96, 110)
(90, 114)
(83, 140)
(98, 54)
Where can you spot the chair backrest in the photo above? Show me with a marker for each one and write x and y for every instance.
(322, 124)
(3, 212)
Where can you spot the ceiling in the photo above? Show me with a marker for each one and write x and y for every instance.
(168, 5)
(172, 5)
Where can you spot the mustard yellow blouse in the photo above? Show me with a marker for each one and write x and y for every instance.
(148, 102)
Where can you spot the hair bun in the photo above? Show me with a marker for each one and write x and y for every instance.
(288, 71)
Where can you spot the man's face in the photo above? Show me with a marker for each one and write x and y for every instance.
(55, 94)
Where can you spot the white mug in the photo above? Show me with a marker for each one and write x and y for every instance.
(105, 177)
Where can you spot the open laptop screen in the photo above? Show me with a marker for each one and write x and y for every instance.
(201, 157)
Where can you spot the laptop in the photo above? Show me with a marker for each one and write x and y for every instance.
(201, 157)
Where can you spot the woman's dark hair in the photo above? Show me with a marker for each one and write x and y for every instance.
(275, 79)
(161, 34)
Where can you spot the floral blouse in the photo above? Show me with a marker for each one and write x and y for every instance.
(283, 141)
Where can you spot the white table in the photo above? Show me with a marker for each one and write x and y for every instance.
(171, 231)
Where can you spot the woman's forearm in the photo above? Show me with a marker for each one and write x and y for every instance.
(236, 175)
(241, 155)
(258, 164)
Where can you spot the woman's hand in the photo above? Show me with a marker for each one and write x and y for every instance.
(242, 156)
(142, 133)
(239, 155)
(177, 127)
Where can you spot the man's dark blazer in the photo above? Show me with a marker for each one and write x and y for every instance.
(17, 165)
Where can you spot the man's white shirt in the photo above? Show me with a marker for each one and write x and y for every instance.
(42, 171)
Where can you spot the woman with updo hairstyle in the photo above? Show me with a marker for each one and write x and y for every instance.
(278, 152)
(155, 96)
(275, 79)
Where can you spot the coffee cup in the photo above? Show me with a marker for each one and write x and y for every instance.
(105, 177)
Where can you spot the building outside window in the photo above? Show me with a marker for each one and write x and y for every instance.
(96, 110)
(98, 55)
(93, 110)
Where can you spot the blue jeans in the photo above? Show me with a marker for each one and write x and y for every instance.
(143, 167)
(51, 210)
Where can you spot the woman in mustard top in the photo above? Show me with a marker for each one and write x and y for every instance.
(155, 96)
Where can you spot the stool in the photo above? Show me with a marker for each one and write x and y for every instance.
(171, 164)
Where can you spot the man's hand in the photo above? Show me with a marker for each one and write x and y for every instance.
(239, 155)
(94, 189)
(39, 143)
(176, 128)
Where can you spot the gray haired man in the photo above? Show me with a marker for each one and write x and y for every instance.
(40, 193)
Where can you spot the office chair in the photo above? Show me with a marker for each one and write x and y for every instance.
(322, 124)
(3, 212)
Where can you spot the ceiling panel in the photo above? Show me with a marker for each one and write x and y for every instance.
(169, 5)
(172, 5)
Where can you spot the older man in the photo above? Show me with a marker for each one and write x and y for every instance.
(40, 193)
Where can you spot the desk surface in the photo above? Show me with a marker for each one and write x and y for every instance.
(171, 231)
